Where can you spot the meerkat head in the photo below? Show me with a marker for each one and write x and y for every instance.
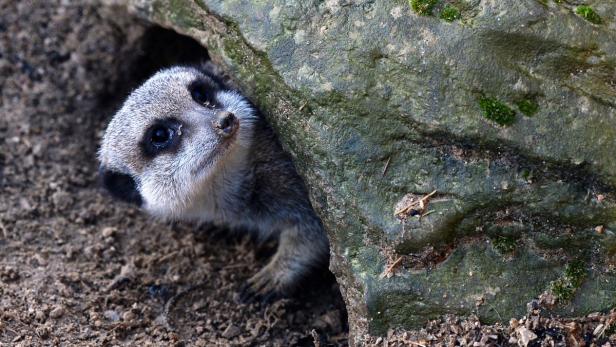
(174, 135)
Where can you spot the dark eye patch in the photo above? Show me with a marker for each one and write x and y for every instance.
(204, 92)
(162, 136)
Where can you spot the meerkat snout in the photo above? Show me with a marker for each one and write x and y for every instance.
(185, 147)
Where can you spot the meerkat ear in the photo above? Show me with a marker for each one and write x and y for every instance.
(120, 186)
(214, 72)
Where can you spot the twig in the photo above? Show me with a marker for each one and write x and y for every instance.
(422, 203)
(166, 257)
(172, 301)
(386, 166)
(495, 310)
(3, 228)
(426, 214)
(391, 267)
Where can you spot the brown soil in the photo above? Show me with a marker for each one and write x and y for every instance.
(77, 268)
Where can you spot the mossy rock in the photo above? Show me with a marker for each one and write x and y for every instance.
(376, 103)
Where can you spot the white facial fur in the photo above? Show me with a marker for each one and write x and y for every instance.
(171, 183)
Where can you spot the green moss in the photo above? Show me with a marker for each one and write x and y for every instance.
(497, 111)
(528, 107)
(565, 287)
(589, 14)
(450, 13)
(423, 7)
(504, 244)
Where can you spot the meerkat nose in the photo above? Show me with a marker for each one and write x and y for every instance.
(226, 123)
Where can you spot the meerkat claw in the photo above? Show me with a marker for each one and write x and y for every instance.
(271, 297)
(248, 295)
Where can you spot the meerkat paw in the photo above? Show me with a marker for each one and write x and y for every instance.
(266, 286)
(299, 252)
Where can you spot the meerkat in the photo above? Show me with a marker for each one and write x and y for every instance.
(184, 146)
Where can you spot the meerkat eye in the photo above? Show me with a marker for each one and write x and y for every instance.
(204, 93)
(162, 136)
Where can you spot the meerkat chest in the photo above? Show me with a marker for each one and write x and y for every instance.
(224, 199)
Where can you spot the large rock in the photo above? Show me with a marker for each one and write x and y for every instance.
(508, 112)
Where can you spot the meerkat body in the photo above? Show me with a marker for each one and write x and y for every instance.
(185, 147)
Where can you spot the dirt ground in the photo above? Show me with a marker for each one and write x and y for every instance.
(77, 268)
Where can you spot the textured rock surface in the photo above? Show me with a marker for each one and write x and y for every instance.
(508, 112)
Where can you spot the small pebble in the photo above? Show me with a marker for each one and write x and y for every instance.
(159, 292)
(57, 312)
(111, 315)
(231, 331)
(40, 260)
(128, 316)
(39, 315)
(108, 232)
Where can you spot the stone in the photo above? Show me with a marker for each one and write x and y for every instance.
(108, 232)
(57, 312)
(507, 110)
(231, 331)
(525, 336)
(111, 315)
(128, 316)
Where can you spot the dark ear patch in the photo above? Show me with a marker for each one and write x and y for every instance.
(121, 186)
(204, 92)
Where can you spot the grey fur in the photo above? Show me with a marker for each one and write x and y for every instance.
(248, 183)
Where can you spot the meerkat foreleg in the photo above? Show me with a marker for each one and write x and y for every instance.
(300, 249)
